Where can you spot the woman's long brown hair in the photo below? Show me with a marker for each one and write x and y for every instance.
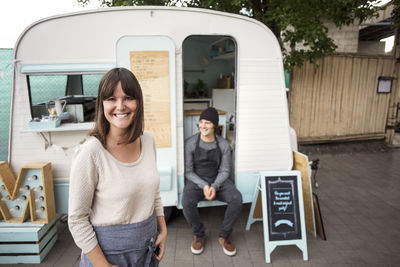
(131, 87)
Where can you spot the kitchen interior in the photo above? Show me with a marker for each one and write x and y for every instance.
(209, 81)
(70, 98)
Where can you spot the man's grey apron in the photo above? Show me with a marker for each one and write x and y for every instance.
(127, 245)
(206, 162)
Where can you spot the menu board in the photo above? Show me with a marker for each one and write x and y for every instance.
(283, 208)
(151, 68)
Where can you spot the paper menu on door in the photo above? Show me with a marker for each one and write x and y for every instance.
(151, 68)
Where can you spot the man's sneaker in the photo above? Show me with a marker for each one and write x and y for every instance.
(197, 244)
(228, 246)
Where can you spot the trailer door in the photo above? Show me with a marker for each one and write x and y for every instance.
(152, 60)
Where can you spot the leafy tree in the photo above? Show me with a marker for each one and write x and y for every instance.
(298, 24)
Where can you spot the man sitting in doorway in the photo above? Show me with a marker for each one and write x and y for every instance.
(207, 171)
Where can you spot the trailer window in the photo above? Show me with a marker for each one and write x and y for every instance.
(44, 88)
(91, 83)
(77, 91)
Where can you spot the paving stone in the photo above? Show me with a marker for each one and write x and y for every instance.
(360, 205)
(183, 263)
(66, 260)
(165, 263)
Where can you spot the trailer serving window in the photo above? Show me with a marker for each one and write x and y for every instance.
(77, 94)
(71, 89)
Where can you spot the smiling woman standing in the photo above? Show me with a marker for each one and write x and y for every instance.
(115, 212)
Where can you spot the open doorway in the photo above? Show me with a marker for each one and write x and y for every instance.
(209, 71)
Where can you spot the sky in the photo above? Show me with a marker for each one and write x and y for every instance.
(17, 15)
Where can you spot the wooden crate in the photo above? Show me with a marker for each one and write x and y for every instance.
(26, 242)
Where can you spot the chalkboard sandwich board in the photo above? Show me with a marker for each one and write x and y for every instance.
(283, 208)
(283, 211)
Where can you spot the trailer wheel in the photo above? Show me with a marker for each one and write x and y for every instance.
(167, 213)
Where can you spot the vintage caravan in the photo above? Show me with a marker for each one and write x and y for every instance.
(186, 60)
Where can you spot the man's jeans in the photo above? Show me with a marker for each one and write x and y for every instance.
(192, 194)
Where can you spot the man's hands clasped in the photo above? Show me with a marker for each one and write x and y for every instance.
(209, 192)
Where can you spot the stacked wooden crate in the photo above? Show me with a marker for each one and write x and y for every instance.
(26, 242)
(29, 196)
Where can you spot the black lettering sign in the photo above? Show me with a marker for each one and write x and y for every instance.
(283, 208)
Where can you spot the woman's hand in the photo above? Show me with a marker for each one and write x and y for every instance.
(98, 259)
(162, 237)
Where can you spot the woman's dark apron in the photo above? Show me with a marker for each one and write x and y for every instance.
(127, 245)
(206, 162)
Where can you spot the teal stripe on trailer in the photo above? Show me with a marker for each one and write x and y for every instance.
(165, 173)
(246, 183)
(61, 188)
(66, 68)
(61, 193)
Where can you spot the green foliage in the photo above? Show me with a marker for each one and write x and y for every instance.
(297, 24)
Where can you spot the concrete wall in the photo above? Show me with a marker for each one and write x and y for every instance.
(346, 38)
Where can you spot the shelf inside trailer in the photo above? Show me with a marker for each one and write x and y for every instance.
(84, 126)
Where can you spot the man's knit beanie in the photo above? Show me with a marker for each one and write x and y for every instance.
(210, 114)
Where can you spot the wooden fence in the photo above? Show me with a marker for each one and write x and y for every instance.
(338, 99)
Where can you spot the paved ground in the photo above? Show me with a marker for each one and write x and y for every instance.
(359, 194)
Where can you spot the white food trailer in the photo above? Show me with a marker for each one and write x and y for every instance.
(186, 59)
